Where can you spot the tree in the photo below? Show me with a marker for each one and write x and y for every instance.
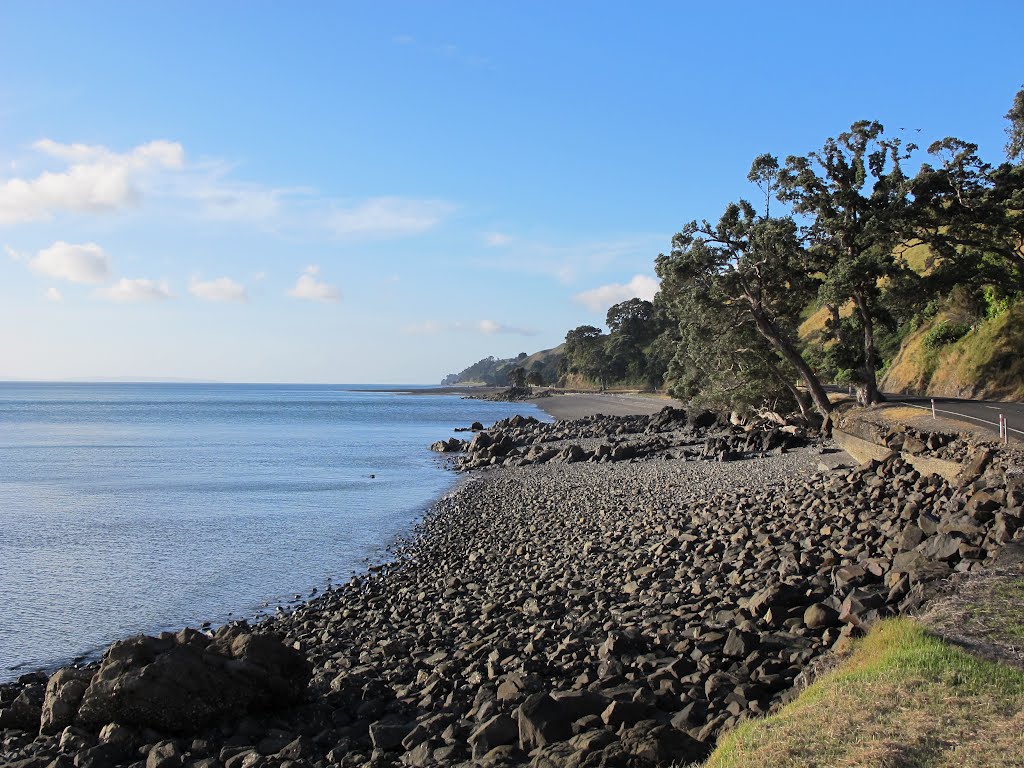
(856, 198)
(738, 289)
(535, 379)
(1015, 130)
(633, 318)
(764, 172)
(517, 377)
(586, 354)
(972, 216)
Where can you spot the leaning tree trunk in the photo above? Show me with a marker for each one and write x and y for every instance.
(871, 395)
(768, 330)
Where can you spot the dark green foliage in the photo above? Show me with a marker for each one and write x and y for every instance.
(722, 330)
(737, 290)
(856, 199)
(945, 333)
(517, 376)
(972, 215)
(1015, 130)
(535, 379)
(497, 372)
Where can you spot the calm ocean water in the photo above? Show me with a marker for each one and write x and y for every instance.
(130, 508)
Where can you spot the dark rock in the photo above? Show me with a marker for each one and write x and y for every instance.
(819, 615)
(184, 688)
(740, 644)
(542, 721)
(498, 731)
(166, 754)
(64, 692)
(24, 712)
(388, 736)
(628, 712)
(579, 704)
(661, 744)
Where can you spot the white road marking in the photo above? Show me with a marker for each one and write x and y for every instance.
(965, 416)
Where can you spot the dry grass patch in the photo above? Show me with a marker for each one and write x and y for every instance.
(904, 698)
(985, 614)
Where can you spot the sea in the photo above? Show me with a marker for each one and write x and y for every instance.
(128, 508)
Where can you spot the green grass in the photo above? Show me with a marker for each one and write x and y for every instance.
(987, 361)
(903, 699)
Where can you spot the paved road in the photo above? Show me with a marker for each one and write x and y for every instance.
(981, 413)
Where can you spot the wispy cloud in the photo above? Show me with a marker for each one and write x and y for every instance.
(448, 51)
(309, 287)
(128, 291)
(488, 327)
(77, 263)
(497, 239)
(602, 297)
(52, 294)
(96, 180)
(568, 262)
(388, 217)
(220, 289)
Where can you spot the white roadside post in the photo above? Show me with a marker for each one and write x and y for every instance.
(933, 409)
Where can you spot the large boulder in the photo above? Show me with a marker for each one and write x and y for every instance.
(64, 693)
(542, 721)
(452, 445)
(182, 683)
(23, 713)
(499, 730)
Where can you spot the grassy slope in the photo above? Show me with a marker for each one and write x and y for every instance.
(904, 698)
(988, 362)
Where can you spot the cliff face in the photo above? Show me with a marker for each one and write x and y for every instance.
(986, 362)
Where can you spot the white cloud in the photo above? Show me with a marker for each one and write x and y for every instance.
(13, 254)
(222, 198)
(220, 289)
(403, 39)
(126, 290)
(388, 217)
(497, 239)
(93, 179)
(488, 327)
(309, 287)
(84, 263)
(96, 180)
(52, 294)
(568, 262)
(600, 299)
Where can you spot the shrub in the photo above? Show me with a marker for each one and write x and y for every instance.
(945, 333)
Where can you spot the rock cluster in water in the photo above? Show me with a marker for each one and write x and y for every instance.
(566, 613)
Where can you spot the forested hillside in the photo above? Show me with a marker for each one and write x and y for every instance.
(869, 261)
(537, 369)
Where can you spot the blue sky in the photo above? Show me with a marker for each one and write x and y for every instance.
(387, 192)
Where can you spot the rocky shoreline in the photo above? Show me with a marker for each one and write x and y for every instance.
(646, 585)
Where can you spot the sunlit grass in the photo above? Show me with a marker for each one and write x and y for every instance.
(904, 698)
